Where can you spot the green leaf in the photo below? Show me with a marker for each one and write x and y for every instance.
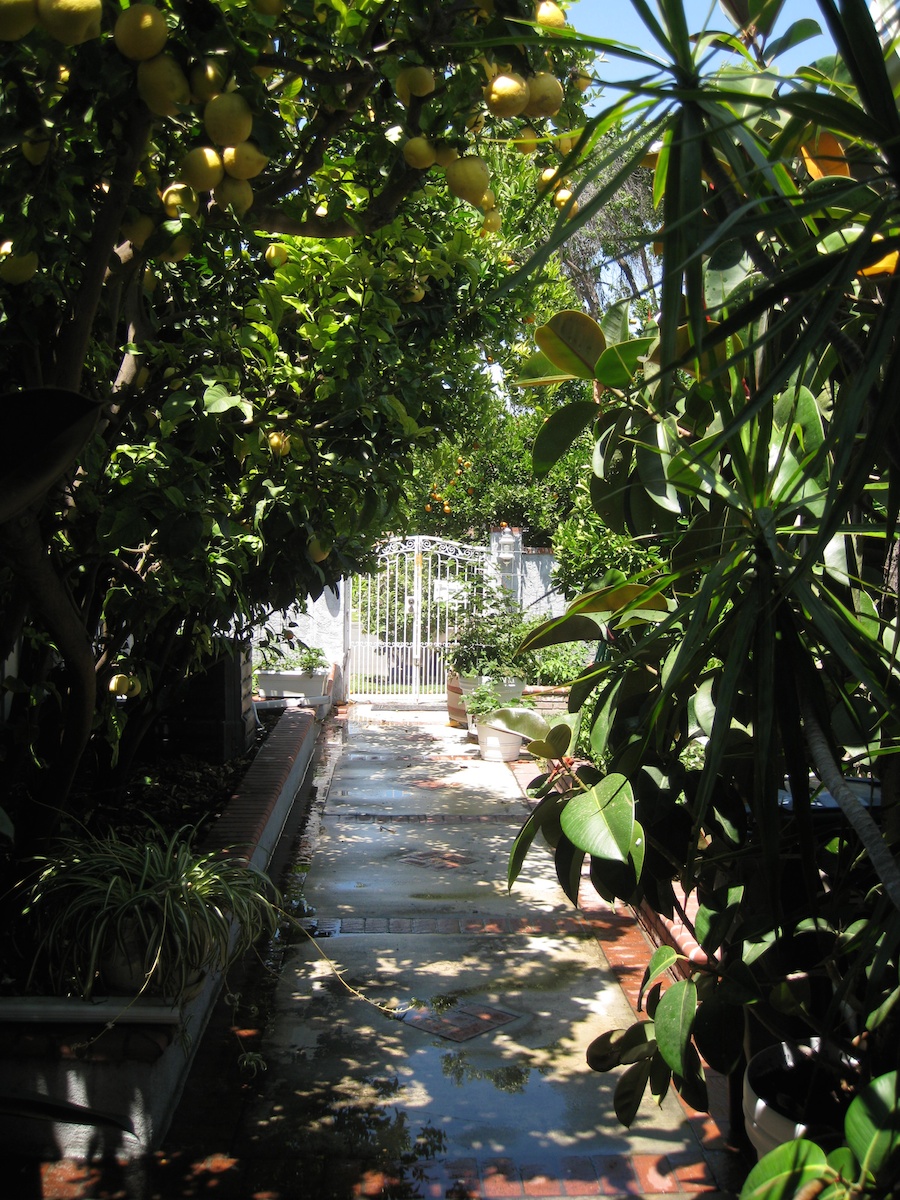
(539, 371)
(569, 860)
(570, 628)
(617, 365)
(674, 1021)
(526, 721)
(572, 341)
(661, 961)
(601, 821)
(546, 810)
(559, 431)
(872, 1123)
(614, 322)
(630, 1091)
(781, 1173)
(621, 1047)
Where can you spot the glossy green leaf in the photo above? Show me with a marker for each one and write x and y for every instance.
(559, 431)
(546, 810)
(539, 371)
(674, 1021)
(526, 721)
(601, 821)
(872, 1123)
(780, 1174)
(630, 1091)
(621, 1047)
(617, 365)
(572, 341)
(662, 960)
(568, 860)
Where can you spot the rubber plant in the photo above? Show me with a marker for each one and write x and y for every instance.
(749, 431)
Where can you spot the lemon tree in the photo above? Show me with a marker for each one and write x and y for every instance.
(234, 307)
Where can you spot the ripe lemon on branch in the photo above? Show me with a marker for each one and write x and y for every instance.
(140, 32)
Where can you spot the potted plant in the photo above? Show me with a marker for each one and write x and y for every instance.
(486, 646)
(142, 915)
(297, 671)
(863, 1165)
(485, 707)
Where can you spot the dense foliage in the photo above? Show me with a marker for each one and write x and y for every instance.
(235, 301)
(746, 716)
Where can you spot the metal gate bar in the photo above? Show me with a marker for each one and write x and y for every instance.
(403, 615)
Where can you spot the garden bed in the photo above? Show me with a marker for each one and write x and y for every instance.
(77, 1051)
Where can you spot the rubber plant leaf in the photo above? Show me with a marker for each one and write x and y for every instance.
(570, 628)
(601, 821)
(872, 1123)
(569, 860)
(539, 371)
(674, 1021)
(781, 1173)
(572, 341)
(621, 1047)
(546, 810)
(617, 365)
(525, 721)
(558, 432)
(661, 961)
(630, 1091)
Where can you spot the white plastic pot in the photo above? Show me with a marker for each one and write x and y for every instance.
(766, 1127)
(496, 745)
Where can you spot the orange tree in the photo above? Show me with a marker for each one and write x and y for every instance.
(237, 289)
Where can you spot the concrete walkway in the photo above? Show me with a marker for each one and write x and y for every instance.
(481, 1089)
(426, 1037)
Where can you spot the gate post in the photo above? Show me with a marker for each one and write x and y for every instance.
(417, 619)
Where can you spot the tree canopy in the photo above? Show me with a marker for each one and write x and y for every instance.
(250, 256)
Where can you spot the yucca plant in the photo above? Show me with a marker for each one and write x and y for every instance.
(152, 916)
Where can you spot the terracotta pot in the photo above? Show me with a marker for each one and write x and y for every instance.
(456, 707)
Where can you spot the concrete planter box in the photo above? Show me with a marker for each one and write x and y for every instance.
(130, 1059)
(278, 684)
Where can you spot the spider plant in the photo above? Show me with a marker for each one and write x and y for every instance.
(157, 910)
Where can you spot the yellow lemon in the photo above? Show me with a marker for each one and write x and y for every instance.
(209, 76)
(468, 178)
(162, 85)
(507, 94)
(16, 268)
(549, 178)
(550, 16)
(317, 550)
(227, 119)
(202, 168)
(413, 81)
(419, 152)
(526, 142)
(17, 17)
(276, 255)
(36, 144)
(492, 221)
(234, 193)
(545, 95)
(71, 21)
(141, 32)
(444, 153)
(180, 197)
(565, 201)
(244, 161)
(177, 249)
(488, 200)
(138, 230)
(119, 685)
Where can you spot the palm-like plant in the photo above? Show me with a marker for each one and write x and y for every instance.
(752, 432)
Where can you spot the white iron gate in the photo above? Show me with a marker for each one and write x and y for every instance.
(405, 615)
